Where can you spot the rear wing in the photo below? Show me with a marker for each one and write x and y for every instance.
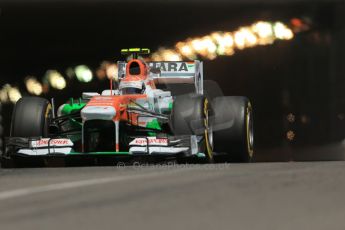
(173, 72)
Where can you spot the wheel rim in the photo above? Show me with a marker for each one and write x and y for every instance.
(210, 136)
(250, 131)
(208, 131)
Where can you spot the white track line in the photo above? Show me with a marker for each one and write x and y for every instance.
(74, 184)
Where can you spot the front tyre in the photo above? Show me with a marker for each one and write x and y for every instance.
(191, 116)
(30, 117)
(233, 128)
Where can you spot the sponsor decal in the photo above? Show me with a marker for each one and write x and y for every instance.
(173, 66)
(52, 142)
(151, 141)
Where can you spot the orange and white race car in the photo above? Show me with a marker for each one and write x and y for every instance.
(138, 117)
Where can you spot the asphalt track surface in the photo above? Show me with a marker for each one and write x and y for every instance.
(304, 195)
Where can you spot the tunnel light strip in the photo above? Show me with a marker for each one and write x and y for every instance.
(207, 47)
(225, 43)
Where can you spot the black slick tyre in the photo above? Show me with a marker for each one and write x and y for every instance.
(190, 116)
(233, 128)
(30, 117)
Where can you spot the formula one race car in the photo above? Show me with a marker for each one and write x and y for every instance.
(135, 118)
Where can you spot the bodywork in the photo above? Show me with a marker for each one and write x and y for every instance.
(113, 123)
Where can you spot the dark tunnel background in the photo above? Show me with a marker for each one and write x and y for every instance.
(304, 76)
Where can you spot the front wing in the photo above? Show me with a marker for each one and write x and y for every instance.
(140, 146)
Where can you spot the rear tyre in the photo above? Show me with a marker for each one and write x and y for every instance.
(233, 128)
(190, 116)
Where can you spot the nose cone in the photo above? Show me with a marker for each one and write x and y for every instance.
(98, 113)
